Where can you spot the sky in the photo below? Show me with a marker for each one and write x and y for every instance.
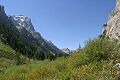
(67, 23)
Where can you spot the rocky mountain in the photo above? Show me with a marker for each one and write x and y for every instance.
(3, 16)
(23, 23)
(66, 50)
(19, 33)
(2, 12)
(25, 27)
(112, 26)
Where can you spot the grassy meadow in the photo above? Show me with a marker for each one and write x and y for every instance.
(95, 61)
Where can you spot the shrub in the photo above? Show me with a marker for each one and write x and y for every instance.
(100, 49)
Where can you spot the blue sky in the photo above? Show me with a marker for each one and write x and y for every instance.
(67, 23)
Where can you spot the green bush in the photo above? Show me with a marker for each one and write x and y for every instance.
(100, 49)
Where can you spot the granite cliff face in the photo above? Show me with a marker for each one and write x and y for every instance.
(3, 16)
(2, 12)
(112, 26)
(23, 22)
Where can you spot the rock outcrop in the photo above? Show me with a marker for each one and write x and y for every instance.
(2, 10)
(2, 13)
(22, 21)
(66, 50)
(112, 26)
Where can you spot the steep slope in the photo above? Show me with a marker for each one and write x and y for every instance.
(26, 29)
(112, 26)
(9, 57)
(25, 40)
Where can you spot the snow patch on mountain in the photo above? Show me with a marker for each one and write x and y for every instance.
(22, 21)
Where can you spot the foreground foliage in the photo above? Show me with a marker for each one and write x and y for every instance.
(94, 62)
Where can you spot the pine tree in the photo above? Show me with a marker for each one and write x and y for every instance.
(79, 46)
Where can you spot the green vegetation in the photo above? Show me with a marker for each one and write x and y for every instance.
(11, 36)
(94, 62)
(10, 58)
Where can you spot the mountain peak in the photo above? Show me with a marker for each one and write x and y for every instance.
(1, 8)
(2, 11)
(23, 22)
(66, 50)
